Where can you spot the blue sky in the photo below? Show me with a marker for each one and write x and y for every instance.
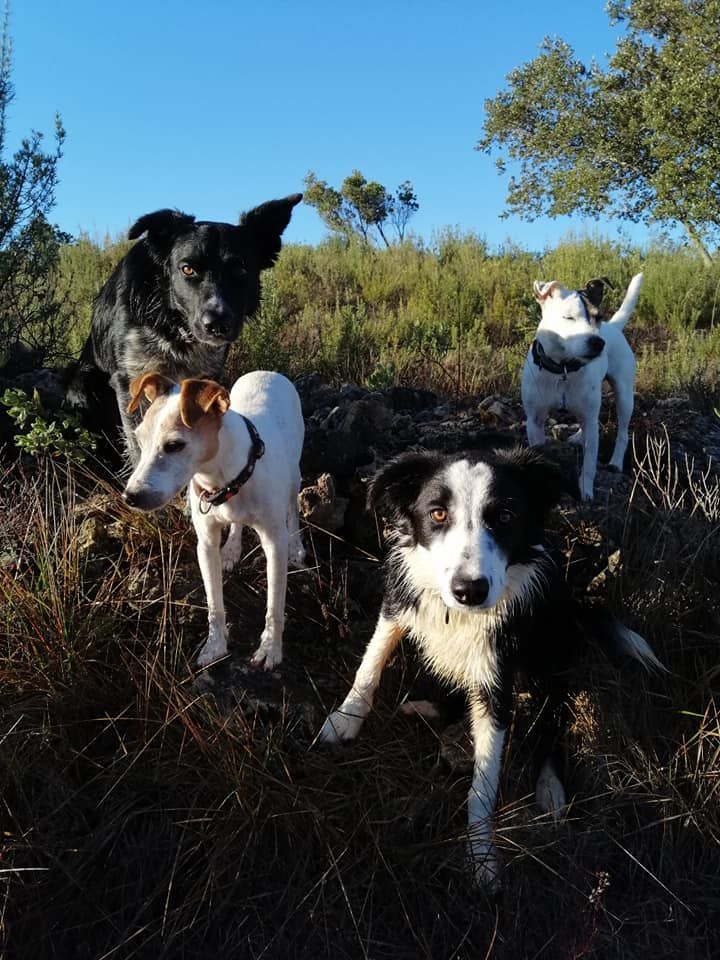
(213, 107)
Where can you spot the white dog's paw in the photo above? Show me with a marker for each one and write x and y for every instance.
(212, 651)
(340, 726)
(268, 655)
(485, 866)
(586, 491)
(296, 555)
(549, 792)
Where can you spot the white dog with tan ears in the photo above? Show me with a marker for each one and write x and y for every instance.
(572, 353)
(240, 454)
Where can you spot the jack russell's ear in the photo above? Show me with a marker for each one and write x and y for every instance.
(150, 386)
(395, 488)
(594, 290)
(201, 397)
(543, 289)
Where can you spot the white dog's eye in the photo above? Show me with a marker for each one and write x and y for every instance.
(174, 446)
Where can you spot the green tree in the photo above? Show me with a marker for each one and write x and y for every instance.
(639, 140)
(29, 243)
(362, 208)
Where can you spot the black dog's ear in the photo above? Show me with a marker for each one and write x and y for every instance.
(267, 223)
(394, 488)
(542, 479)
(162, 224)
(594, 290)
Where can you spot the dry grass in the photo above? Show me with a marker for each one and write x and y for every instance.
(145, 816)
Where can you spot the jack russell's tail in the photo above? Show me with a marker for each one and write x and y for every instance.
(624, 312)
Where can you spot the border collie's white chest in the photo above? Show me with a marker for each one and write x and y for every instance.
(462, 650)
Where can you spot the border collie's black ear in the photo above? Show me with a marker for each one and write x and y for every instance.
(541, 478)
(394, 488)
(267, 223)
(594, 290)
(161, 224)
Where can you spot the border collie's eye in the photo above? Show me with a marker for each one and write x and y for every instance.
(188, 271)
(174, 446)
(438, 515)
(504, 516)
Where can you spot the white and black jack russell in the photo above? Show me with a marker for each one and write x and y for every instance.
(574, 350)
(470, 579)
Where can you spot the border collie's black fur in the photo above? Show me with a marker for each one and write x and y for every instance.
(173, 305)
(469, 576)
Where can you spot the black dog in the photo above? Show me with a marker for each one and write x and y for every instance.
(174, 305)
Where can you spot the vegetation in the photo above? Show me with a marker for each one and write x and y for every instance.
(362, 208)
(451, 315)
(637, 140)
(147, 816)
(29, 243)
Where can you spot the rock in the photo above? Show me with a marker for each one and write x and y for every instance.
(320, 505)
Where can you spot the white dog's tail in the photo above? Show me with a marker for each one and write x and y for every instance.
(623, 314)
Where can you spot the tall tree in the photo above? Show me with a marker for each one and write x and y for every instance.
(362, 208)
(638, 140)
(29, 243)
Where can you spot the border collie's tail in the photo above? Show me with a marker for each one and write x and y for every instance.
(624, 312)
(633, 645)
(619, 640)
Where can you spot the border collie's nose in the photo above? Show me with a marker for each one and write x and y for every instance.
(133, 498)
(471, 593)
(595, 346)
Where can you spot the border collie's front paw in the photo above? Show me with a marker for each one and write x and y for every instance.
(485, 867)
(340, 726)
(549, 792)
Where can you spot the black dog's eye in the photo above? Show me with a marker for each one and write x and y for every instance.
(188, 271)
(504, 516)
(439, 515)
(174, 446)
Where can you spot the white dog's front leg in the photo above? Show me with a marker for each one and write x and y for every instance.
(488, 740)
(536, 428)
(275, 546)
(346, 721)
(232, 549)
(208, 553)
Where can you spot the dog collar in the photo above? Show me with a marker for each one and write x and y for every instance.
(214, 498)
(542, 360)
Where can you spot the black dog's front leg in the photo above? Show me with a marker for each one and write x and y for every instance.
(121, 386)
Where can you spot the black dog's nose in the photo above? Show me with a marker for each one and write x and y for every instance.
(471, 593)
(595, 346)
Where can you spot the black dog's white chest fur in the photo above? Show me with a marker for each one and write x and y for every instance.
(465, 648)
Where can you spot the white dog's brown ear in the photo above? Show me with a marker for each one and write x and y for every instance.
(200, 397)
(543, 289)
(150, 386)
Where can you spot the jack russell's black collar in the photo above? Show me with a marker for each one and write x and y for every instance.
(542, 360)
(214, 498)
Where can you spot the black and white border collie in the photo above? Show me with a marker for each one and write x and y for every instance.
(471, 581)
